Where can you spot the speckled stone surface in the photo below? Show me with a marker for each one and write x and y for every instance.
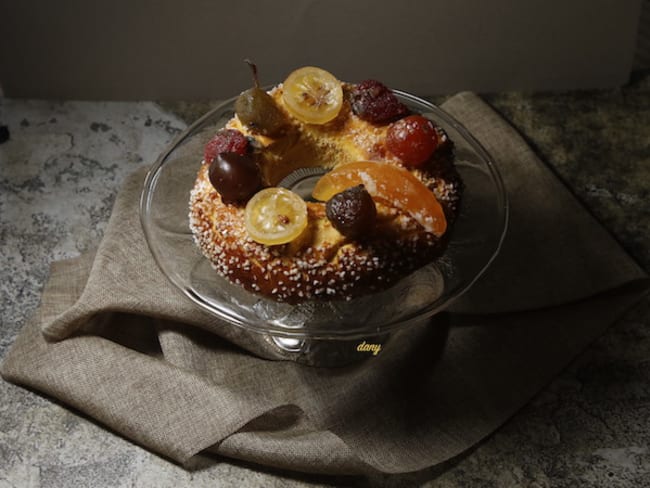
(60, 171)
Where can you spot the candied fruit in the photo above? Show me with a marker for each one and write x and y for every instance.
(226, 140)
(236, 177)
(413, 139)
(374, 102)
(392, 185)
(275, 216)
(352, 212)
(313, 95)
(257, 109)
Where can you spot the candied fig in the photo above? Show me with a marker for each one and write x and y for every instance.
(352, 212)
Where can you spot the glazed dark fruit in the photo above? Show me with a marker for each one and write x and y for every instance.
(352, 212)
(374, 102)
(257, 110)
(236, 177)
(413, 139)
(226, 140)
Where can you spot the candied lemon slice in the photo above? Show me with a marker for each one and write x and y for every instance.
(312, 95)
(392, 185)
(275, 216)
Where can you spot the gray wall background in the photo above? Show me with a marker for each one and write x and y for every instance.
(166, 49)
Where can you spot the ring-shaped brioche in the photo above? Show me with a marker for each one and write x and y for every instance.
(321, 262)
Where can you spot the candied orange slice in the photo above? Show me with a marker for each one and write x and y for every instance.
(275, 216)
(392, 185)
(312, 95)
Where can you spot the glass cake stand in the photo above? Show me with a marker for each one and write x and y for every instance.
(324, 332)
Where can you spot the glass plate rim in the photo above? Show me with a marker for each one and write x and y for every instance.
(285, 332)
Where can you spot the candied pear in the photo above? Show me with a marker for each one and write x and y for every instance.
(257, 110)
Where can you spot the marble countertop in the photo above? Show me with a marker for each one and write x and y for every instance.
(62, 166)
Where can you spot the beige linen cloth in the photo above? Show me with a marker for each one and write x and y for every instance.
(116, 341)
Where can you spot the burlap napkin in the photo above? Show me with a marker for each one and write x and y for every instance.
(115, 340)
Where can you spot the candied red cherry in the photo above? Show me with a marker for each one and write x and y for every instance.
(352, 212)
(374, 102)
(236, 177)
(226, 140)
(413, 139)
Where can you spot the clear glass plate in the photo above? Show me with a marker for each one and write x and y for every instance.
(475, 241)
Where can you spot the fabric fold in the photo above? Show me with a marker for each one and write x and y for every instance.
(554, 251)
(122, 276)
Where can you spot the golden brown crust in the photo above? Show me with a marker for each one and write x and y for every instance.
(322, 263)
